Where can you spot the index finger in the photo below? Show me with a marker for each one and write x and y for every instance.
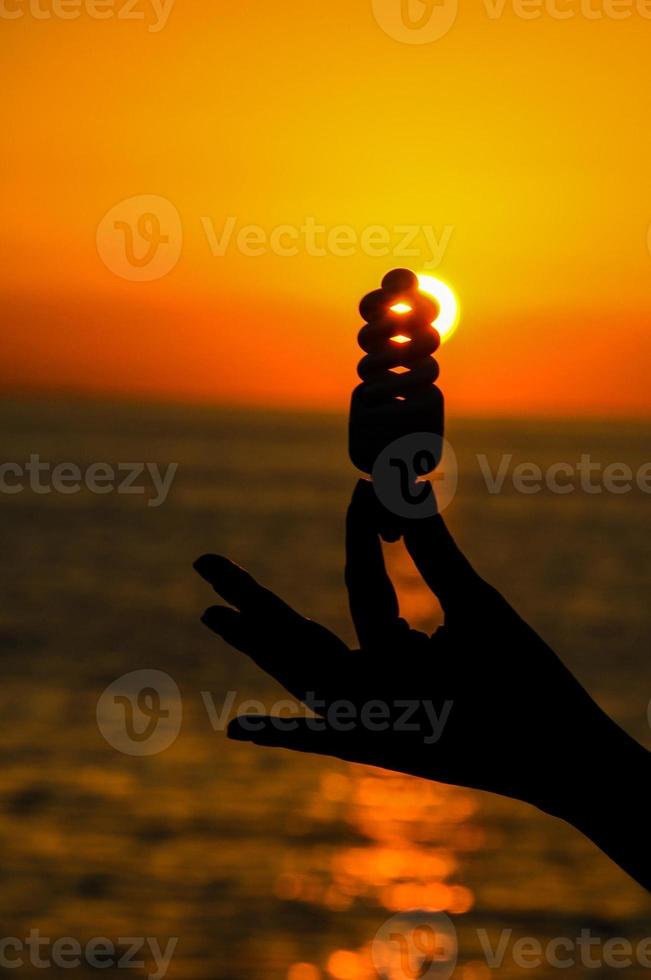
(241, 590)
(371, 595)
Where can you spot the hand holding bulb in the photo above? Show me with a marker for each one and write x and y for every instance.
(397, 412)
(497, 735)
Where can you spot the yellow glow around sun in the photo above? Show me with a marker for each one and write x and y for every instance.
(448, 318)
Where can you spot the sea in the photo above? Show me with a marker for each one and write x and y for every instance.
(245, 863)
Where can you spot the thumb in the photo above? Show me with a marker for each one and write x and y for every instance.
(440, 561)
(300, 734)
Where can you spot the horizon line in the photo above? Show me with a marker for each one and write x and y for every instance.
(72, 394)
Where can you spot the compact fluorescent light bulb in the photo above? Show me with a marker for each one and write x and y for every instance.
(398, 395)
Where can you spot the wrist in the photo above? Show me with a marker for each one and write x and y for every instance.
(605, 796)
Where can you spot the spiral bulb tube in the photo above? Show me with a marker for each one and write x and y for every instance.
(398, 395)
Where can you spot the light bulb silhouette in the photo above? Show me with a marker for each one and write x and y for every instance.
(398, 396)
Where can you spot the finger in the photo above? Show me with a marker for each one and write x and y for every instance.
(298, 734)
(442, 564)
(232, 626)
(313, 735)
(241, 590)
(293, 650)
(302, 660)
(372, 598)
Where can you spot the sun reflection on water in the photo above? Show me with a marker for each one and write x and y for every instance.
(410, 837)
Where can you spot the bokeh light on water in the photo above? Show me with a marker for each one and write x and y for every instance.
(411, 837)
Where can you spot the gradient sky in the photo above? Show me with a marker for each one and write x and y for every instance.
(526, 143)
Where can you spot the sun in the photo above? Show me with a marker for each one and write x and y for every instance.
(447, 320)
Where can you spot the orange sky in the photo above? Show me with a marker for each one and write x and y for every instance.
(522, 146)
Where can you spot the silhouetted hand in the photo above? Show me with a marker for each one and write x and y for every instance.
(483, 703)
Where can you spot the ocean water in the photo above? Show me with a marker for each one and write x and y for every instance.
(262, 864)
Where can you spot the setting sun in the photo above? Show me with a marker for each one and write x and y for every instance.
(447, 320)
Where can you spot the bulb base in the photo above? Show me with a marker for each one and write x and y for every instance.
(374, 426)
